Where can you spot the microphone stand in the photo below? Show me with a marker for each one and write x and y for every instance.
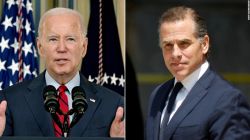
(65, 128)
(76, 118)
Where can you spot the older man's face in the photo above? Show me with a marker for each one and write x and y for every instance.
(62, 44)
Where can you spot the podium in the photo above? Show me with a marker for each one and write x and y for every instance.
(55, 138)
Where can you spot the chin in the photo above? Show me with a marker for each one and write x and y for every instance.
(61, 72)
(180, 75)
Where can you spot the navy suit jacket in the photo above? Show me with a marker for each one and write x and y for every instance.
(26, 115)
(213, 110)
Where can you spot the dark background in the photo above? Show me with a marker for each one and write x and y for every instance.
(229, 31)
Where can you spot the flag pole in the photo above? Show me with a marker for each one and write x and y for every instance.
(20, 59)
(100, 63)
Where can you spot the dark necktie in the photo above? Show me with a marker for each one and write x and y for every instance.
(169, 109)
(63, 102)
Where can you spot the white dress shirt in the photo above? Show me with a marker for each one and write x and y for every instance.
(70, 85)
(188, 84)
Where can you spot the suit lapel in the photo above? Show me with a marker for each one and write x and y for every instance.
(158, 106)
(93, 101)
(194, 97)
(34, 99)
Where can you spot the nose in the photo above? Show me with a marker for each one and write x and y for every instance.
(176, 52)
(61, 47)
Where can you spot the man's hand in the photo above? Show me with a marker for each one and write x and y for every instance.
(3, 106)
(118, 125)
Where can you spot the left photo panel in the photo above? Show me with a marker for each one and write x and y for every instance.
(62, 68)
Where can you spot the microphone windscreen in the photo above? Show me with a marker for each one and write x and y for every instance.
(49, 89)
(51, 103)
(78, 90)
(79, 104)
(79, 99)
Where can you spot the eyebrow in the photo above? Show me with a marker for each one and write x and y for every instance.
(52, 35)
(172, 41)
(185, 41)
(57, 36)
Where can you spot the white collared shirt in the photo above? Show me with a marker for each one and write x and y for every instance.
(70, 85)
(188, 84)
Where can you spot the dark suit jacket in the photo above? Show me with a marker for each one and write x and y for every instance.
(26, 115)
(212, 110)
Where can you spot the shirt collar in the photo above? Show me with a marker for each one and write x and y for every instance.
(70, 85)
(191, 79)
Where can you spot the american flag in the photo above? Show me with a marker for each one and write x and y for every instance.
(103, 62)
(18, 55)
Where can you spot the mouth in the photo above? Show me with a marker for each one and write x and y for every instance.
(177, 66)
(61, 61)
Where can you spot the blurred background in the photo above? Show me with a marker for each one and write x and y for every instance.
(229, 31)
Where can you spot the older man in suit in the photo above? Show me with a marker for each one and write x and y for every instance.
(62, 44)
(196, 104)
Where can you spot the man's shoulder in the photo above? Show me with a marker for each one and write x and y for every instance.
(164, 86)
(161, 90)
(18, 86)
(105, 95)
(97, 89)
(222, 83)
(222, 87)
(22, 86)
(103, 91)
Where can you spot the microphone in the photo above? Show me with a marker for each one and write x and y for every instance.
(79, 104)
(79, 100)
(51, 103)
